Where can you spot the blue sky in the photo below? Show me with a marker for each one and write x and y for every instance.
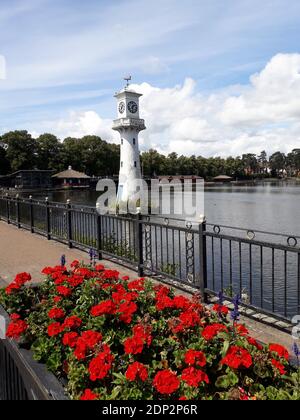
(68, 57)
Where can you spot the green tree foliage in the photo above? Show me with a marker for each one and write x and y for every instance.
(49, 152)
(22, 150)
(96, 157)
(4, 162)
(278, 162)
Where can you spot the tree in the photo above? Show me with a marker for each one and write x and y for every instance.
(263, 161)
(153, 163)
(50, 153)
(72, 153)
(250, 163)
(277, 162)
(99, 157)
(172, 164)
(21, 151)
(4, 162)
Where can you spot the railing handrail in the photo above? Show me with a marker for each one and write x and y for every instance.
(195, 253)
(77, 206)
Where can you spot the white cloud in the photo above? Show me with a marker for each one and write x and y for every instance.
(79, 124)
(262, 115)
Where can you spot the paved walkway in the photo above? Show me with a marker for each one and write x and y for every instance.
(22, 251)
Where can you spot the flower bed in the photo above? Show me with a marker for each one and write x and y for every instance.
(116, 338)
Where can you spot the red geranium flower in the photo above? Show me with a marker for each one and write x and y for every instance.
(91, 338)
(75, 280)
(241, 329)
(111, 274)
(220, 309)
(99, 267)
(22, 278)
(88, 395)
(100, 366)
(57, 299)
(15, 317)
(75, 264)
(141, 336)
(166, 382)
(134, 345)
(187, 319)
(195, 358)
(254, 343)
(64, 291)
(237, 357)
(56, 313)
(70, 339)
(13, 287)
(84, 272)
(137, 285)
(279, 366)
(193, 377)
(212, 330)
(143, 332)
(16, 329)
(280, 350)
(72, 322)
(126, 310)
(87, 341)
(54, 329)
(181, 302)
(164, 302)
(47, 270)
(106, 307)
(137, 371)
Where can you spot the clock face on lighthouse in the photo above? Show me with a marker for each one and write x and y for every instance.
(132, 107)
(121, 107)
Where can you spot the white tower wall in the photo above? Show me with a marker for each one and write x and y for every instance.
(128, 125)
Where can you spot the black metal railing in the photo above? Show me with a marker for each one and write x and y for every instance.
(262, 267)
(21, 378)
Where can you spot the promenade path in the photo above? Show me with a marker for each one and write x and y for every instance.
(22, 251)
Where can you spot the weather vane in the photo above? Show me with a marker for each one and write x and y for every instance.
(127, 79)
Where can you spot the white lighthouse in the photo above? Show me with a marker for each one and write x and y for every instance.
(128, 125)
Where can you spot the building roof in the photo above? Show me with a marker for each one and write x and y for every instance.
(70, 173)
(222, 177)
(179, 177)
(27, 171)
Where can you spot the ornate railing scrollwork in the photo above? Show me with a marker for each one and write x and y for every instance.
(190, 256)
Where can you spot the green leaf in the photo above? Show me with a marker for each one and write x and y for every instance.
(227, 381)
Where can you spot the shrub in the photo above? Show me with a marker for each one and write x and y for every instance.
(113, 338)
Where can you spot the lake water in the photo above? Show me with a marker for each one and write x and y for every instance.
(271, 206)
(272, 279)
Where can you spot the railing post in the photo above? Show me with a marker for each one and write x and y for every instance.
(69, 223)
(99, 236)
(7, 209)
(139, 243)
(18, 211)
(203, 259)
(47, 219)
(31, 214)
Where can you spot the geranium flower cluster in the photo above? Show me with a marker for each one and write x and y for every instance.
(20, 280)
(115, 337)
(17, 327)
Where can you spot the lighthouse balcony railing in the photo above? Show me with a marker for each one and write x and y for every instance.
(129, 122)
